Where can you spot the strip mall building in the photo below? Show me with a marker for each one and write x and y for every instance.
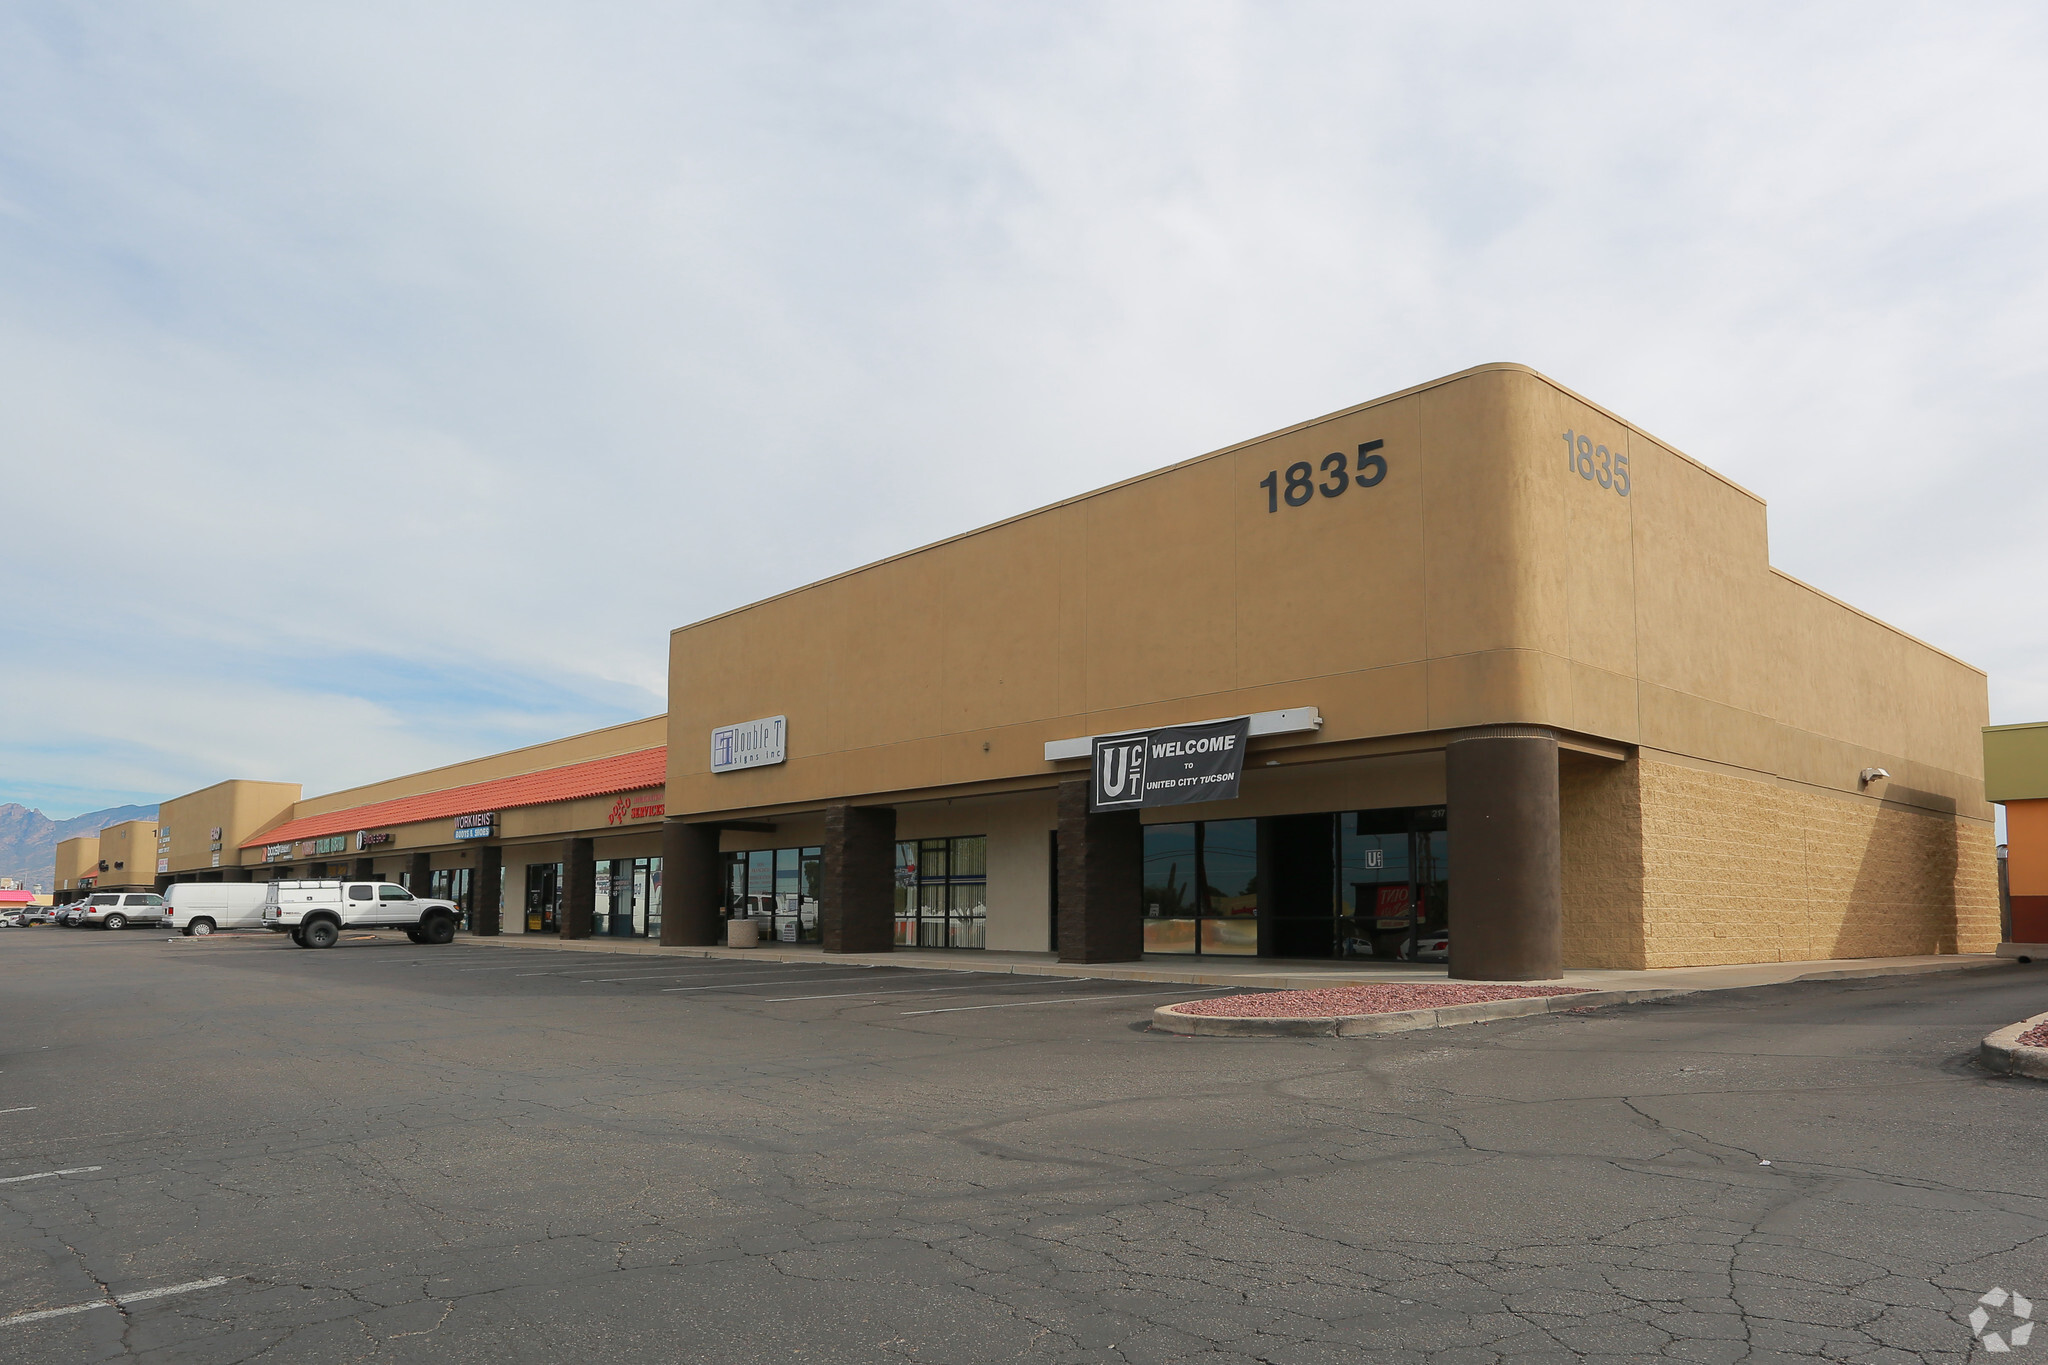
(1519, 677)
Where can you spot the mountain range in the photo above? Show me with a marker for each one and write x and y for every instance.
(29, 838)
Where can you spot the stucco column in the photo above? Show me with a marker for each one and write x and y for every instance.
(489, 891)
(1101, 872)
(579, 889)
(691, 872)
(422, 874)
(1507, 904)
(857, 907)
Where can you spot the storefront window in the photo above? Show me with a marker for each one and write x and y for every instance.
(1201, 888)
(1361, 884)
(942, 892)
(779, 887)
(628, 900)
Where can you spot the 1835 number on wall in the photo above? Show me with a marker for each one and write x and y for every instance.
(1336, 475)
(1595, 463)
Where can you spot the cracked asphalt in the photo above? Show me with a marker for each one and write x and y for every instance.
(407, 1153)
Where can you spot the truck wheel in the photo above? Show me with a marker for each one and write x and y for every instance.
(298, 938)
(416, 936)
(116, 921)
(438, 929)
(321, 933)
(198, 927)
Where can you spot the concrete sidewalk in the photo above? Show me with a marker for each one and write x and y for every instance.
(1263, 973)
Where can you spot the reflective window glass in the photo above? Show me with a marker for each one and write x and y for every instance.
(1169, 872)
(1230, 867)
(969, 857)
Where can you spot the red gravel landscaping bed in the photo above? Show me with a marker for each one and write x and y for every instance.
(2037, 1036)
(1379, 997)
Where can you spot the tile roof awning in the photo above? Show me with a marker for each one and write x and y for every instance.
(599, 777)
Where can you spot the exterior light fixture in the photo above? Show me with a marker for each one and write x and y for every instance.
(1870, 775)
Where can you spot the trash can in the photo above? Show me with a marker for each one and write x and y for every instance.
(742, 933)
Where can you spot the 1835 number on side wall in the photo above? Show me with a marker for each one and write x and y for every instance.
(1595, 463)
(1338, 475)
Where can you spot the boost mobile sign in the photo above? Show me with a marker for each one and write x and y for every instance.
(1174, 766)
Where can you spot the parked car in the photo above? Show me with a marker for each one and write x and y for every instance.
(1431, 945)
(73, 915)
(119, 909)
(202, 907)
(315, 913)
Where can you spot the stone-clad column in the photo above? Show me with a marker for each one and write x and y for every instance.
(691, 876)
(1101, 873)
(489, 892)
(857, 907)
(366, 869)
(579, 890)
(1507, 901)
(422, 874)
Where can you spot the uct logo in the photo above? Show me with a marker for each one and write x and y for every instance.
(2022, 1310)
(1120, 772)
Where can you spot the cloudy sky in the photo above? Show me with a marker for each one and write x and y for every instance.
(380, 382)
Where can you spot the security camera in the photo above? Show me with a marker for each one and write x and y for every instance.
(1870, 775)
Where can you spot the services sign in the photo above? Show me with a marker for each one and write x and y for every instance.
(478, 826)
(750, 744)
(1175, 765)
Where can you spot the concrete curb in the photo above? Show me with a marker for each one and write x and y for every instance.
(2002, 1051)
(1168, 1019)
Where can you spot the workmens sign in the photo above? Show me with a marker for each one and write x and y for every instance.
(1171, 767)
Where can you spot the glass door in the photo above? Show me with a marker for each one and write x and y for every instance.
(455, 884)
(543, 898)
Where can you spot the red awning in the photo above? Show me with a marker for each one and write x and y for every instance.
(640, 771)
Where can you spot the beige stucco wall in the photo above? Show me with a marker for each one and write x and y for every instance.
(77, 858)
(1482, 581)
(1669, 862)
(129, 851)
(238, 809)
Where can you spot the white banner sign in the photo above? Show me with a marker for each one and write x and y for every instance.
(750, 744)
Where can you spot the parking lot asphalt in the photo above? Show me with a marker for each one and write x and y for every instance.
(230, 1149)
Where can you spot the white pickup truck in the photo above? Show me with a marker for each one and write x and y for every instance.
(315, 913)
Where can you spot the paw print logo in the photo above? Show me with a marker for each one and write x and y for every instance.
(2016, 1333)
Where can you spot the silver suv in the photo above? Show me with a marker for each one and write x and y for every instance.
(119, 909)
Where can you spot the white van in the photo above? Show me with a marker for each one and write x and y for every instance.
(202, 907)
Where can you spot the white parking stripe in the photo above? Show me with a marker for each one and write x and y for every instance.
(45, 1175)
(738, 985)
(1063, 1000)
(1028, 982)
(863, 995)
(685, 976)
(118, 1300)
(23, 1110)
(678, 976)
